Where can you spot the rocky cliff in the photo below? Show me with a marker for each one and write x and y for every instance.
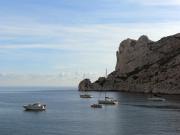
(143, 66)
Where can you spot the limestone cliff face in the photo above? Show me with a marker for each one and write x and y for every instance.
(143, 66)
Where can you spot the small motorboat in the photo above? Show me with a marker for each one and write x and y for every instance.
(96, 106)
(108, 97)
(35, 107)
(85, 96)
(108, 101)
(156, 98)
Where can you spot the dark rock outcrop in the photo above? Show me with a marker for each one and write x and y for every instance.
(143, 66)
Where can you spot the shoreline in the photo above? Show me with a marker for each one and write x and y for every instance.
(119, 91)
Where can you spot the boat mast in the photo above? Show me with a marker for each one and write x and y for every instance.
(105, 77)
(106, 73)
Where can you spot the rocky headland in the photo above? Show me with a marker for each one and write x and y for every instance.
(143, 66)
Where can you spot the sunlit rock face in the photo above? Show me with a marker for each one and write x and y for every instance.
(144, 66)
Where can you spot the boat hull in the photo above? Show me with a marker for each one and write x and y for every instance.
(156, 99)
(86, 96)
(31, 108)
(96, 106)
(107, 102)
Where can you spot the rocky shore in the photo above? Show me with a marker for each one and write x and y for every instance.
(143, 66)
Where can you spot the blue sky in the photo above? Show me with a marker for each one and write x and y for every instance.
(55, 42)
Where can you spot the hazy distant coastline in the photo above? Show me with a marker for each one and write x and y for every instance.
(35, 88)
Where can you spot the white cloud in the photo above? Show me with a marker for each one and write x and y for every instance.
(103, 37)
(29, 43)
(88, 41)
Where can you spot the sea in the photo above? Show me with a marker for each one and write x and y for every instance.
(68, 114)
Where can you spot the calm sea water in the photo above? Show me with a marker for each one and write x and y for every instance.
(67, 114)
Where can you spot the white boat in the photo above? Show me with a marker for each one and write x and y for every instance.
(156, 99)
(85, 96)
(35, 107)
(108, 101)
(109, 97)
(96, 106)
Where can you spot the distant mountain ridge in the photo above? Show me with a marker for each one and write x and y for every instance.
(143, 66)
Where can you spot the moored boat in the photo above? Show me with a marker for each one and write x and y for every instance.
(35, 107)
(108, 101)
(96, 106)
(156, 98)
(85, 96)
